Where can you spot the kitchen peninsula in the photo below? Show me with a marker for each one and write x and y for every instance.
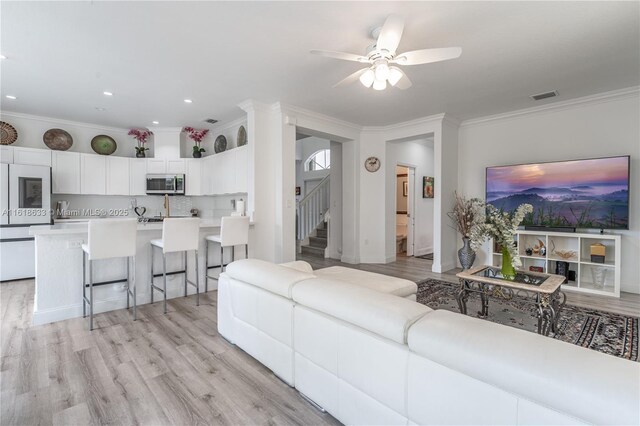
(58, 283)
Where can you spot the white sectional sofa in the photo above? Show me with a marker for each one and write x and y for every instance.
(369, 355)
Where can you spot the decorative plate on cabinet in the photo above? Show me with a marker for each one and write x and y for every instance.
(9, 133)
(220, 144)
(242, 136)
(372, 164)
(57, 139)
(103, 145)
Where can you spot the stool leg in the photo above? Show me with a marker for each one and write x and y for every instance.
(233, 253)
(221, 259)
(186, 270)
(151, 287)
(197, 282)
(133, 278)
(206, 266)
(91, 295)
(164, 277)
(84, 277)
(246, 251)
(128, 282)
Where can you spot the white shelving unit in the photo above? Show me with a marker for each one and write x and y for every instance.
(580, 263)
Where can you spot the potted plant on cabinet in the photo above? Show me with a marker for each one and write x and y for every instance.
(196, 135)
(466, 215)
(140, 135)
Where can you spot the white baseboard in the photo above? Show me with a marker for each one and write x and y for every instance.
(422, 251)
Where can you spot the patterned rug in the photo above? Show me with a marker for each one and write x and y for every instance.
(605, 332)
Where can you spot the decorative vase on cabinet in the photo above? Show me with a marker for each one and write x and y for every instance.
(466, 255)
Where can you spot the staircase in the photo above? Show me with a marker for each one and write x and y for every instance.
(311, 215)
(317, 244)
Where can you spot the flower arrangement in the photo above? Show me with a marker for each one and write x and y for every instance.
(196, 135)
(501, 226)
(140, 135)
(467, 214)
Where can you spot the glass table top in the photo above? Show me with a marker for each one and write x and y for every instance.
(521, 277)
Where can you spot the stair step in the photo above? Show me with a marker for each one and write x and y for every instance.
(321, 233)
(313, 251)
(318, 242)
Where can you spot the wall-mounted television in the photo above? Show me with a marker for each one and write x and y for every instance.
(592, 193)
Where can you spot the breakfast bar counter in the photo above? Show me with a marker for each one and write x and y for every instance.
(58, 281)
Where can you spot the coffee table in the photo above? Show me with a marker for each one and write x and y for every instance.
(541, 290)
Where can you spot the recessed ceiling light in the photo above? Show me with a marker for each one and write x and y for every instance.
(155, 122)
(107, 93)
(11, 97)
(100, 109)
(188, 101)
(3, 57)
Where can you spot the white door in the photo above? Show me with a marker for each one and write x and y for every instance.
(4, 194)
(93, 174)
(66, 172)
(411, 196)
(117, 176)
(29, 194)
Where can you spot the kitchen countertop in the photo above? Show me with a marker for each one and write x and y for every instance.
(79, 226)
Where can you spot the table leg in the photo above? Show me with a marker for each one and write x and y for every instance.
(546, 314)
(484, 301)
(463, 296)
(559, 299)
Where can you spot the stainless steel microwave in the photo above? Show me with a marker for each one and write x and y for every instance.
(165, 184)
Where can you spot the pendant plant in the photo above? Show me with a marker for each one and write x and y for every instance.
(140, 135)
(196, 135)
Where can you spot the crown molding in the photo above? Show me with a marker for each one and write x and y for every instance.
(253, 105)
(415, 122)
(60, 121)
(558, 106)
(291, 109)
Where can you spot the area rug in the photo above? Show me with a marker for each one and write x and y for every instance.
(601, 331)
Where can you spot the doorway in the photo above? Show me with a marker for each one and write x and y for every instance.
(405, 202)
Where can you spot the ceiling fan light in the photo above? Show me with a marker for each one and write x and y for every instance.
(394, 76)
(367, 78)
(379, 84)
(382, 72)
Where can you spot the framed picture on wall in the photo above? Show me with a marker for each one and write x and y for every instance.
(297, 190)
(427, 187)
(405, 188)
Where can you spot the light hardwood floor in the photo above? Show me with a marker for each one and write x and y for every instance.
(416, 269)
(161, 369)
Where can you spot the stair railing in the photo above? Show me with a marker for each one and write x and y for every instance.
(311, 209)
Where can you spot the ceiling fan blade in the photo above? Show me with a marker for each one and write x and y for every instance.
(391, 33)
(404, 83)
(425, 56)
(352, 78)
(340, 55)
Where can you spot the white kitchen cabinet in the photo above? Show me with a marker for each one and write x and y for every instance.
(194, 176)
(6, 154)
(32, 156)
(117, 176)
(226, 172)
(176, 167)
(137, 176)
(93, 174)
(156, 166)
(241, 169)
(65, 172)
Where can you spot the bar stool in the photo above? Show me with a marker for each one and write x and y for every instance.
(108, 239)
(234, 231)
(178, 235)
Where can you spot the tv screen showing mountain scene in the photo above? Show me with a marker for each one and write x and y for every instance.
(579, 193)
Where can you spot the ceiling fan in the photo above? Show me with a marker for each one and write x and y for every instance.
(383, 59)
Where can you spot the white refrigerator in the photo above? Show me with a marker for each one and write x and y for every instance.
(25, 200)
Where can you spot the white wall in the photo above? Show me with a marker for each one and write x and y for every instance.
(595, 127)
(418, 154)
(335, 203)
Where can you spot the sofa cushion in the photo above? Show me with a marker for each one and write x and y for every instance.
(552, 373)
(268, 276)
(299, 265)
(383, 314)
(378, 282)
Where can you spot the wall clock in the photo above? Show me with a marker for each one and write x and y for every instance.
(372, 164)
